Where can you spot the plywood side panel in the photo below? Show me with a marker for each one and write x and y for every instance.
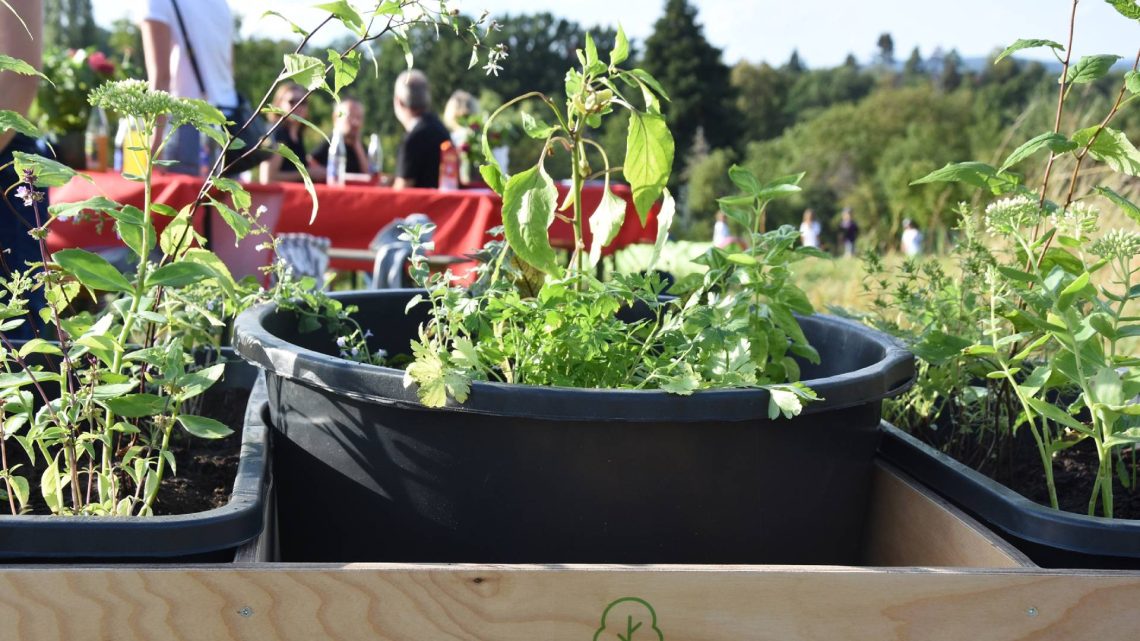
(907, 525)
(404, 603)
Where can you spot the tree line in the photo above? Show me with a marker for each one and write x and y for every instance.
(861, 132)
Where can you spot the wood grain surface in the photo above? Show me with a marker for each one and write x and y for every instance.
(908, 525)
(364, 602)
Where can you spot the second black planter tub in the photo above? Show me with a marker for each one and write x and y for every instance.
(525, 474)
(1051, 538)
(212, 536)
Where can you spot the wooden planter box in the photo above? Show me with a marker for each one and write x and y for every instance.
(931, 574)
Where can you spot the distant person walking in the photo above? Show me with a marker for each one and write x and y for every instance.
(911, 243)
(848, 231)
(722, 234)
(809, 229)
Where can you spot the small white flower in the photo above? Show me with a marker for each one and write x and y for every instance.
(341, 341)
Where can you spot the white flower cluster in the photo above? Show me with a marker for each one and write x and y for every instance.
(1117, 244)
(1008, 215)
(1078, 221)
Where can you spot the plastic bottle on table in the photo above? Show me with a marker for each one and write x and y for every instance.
(134, 148)
(96, 140)
(448, 166)
(375, 157)
(338, 161)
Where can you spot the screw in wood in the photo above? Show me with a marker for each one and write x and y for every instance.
(246, 611)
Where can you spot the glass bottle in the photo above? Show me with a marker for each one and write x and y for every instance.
(375, 157)
(338, 161)
(96, 140)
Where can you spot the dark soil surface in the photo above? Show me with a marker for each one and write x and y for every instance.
(1074, 472)
(206, 469)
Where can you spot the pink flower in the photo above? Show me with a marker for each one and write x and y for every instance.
(100, 64)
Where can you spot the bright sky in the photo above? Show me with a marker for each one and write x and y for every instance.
(824, 31)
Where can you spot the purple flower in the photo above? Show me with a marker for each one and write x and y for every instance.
(29, 195)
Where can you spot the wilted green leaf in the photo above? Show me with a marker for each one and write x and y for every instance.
(620, 52)
(605, 223)
(529, 202)
(664, 222)
(535, 128)
(288, 154)
(648, 159)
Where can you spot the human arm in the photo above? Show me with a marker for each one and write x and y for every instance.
(157, 49)
(19, 90)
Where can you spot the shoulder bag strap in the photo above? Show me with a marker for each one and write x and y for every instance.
(190, 50)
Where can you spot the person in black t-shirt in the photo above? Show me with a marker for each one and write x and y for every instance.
(288, 134)
(349, 121)
(417, 161)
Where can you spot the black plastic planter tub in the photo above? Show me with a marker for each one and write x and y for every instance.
(1051, 538)
(210, 536)
(555, 475)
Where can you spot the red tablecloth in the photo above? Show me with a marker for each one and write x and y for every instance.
(349, 216)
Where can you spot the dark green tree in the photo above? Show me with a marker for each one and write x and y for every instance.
(761, 98)
(70, 24)
(794, 64)
(886, 46)
(914, 68)
(950, 76)
(691, 71)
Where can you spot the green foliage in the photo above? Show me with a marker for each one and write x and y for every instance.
(529, 321)
(678, 55)
(126, 375)
(736, 329)
(61, 105)
(1037, 342)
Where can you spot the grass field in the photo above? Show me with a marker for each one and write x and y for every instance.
(835, 282)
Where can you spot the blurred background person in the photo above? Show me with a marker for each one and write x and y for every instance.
(348, 125)
(809, 229)
(460, 106)
(288, 134)
(165, 26)
(911, 242)
(417, 161)
(17, 248)
(848, 231)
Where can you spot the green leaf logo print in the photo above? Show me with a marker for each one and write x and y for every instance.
(629, 619)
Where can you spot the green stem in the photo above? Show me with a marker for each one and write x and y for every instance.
(148, 503)
(577, 158)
